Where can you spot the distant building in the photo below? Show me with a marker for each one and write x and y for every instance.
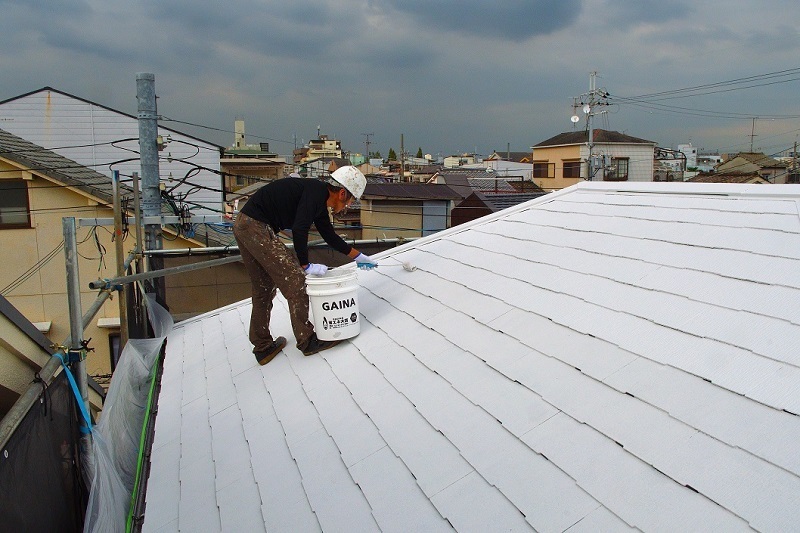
(452, 161)
(563, 160)
(480, 204)
(322, 148)
(770, 169)
(409, 210)
(691, 154)
(516, 157)
(245, 164)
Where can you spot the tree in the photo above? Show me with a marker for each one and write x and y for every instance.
(375, 155)
(392, 155)
(419, 152)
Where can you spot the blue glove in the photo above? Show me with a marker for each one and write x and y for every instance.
(316, 269)
(365, 262)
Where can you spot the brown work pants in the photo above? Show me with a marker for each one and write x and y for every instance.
(271, 266)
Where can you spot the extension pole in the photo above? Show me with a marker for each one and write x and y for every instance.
(151, 191)
(123, 294)
(76, 337)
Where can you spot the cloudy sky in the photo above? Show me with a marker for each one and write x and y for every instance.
(451, 76)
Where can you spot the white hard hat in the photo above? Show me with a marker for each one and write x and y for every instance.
(351, 179)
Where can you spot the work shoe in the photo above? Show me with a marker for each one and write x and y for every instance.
(314, 345)
(265, 356)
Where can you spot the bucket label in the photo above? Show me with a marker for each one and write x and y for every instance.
(341, 304)
(339, 321)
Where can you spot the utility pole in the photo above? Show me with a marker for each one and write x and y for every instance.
(588, 103)
(752, 134)
(402, 163)
(367, 143)
(151, 183)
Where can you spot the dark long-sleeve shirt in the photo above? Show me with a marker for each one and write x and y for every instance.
(296, 204)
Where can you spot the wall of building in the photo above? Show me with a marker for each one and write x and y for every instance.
(556, 155)
(640, 158)
(95, 136)
(391, 218)
(43, 296)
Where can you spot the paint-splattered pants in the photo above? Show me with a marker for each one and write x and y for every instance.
(271, 266)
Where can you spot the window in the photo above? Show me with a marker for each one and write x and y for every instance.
(572, 169)
(14, 207)
(618, 171)
(544, 170)
(113, 349)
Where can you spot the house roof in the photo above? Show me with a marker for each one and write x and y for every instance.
(422, 191)
(510, 156)
(757, 158)
(54, 166)
(599, 136)
(728, 177)
(605, 357)
(498, 202)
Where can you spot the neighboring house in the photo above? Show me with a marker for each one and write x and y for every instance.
(770, 169)
(37, 189)
(562, 160)
(105, 139)
(509, 169)
(465, 180)
(480, 204)
(610, 357)
(515, 157)
(322, 148)
(452, 161)
(390, 210)
(245, 164)
(728, 177)
(24, 351)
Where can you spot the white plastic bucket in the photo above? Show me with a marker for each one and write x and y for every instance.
(334, 304)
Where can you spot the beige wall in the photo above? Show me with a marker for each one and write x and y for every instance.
(43, 298)
(198, 291)
(556, 155)
(391, 218)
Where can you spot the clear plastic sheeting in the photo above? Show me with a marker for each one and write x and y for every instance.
(117, 435)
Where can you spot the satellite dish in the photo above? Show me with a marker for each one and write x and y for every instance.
(586, 109)
(575, 118)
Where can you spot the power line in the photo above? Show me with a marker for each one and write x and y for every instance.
(710, 88)
(167, 119)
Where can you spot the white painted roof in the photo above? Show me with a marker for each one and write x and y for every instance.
(608, 357)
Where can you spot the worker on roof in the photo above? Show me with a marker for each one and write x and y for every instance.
(293, 203)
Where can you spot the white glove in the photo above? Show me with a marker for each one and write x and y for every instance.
(315, 269)
(365, 262)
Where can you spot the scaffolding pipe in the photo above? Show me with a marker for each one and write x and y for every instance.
(13, 418)
(106, 283)
(235, 249)
(119, 256)
(76, 345)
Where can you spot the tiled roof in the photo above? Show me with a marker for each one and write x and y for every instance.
(599, 136)
(503, 201)
(410, 190)
(728, 177)
(762, 160)
(54, 166)
(602, 358)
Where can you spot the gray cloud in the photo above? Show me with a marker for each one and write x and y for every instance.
(449, 75)
(512, 20)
